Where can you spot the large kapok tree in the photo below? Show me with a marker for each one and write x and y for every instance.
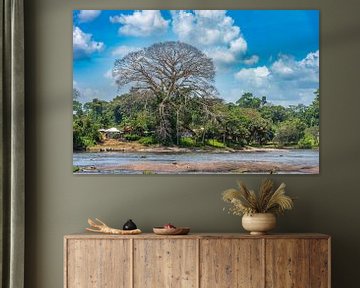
(172, 72)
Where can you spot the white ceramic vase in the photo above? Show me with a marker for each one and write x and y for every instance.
(259, 223)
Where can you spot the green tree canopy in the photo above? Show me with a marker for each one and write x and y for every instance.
(248, 100)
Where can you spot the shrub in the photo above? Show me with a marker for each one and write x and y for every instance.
(215, 143)
(131, 137)
(148, 172)
(310, 139)
(187, 142)
(88, 142)
(147, 140)
(307, 142)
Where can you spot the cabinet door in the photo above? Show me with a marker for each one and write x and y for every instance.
(165, 263)
(98, 263)
(287, 263)
(320, 263)
(231, 263)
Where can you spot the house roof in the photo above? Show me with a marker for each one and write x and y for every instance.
(113, 130)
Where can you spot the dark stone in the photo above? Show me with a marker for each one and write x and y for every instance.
(129, 225)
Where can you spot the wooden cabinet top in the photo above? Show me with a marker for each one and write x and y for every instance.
(199, 236)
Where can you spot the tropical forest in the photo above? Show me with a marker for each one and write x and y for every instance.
(172, 101)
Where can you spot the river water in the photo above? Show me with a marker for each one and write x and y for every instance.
(107, 159)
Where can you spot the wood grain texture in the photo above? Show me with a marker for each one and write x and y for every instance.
(319, 263)
(164, 263)
(197, 260)
(98, 264)
(88, 235)
(287, 263)
(231, 263)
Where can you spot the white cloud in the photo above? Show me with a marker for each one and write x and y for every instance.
(205, 27)
(251, 60)
(88, 15)
(257, 77)
(311, 60)
(141, 23)
(284, 67)
(182, 22)
(123, 50)
(303, 71)
(221, 55)
(84, 45)
(287, 81)
(213, 31)
(238, 45)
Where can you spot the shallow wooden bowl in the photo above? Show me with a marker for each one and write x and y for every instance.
(171, 231)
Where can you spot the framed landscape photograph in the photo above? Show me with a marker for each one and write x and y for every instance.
(196, 91)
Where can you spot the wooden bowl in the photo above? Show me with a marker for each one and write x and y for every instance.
(171, 231)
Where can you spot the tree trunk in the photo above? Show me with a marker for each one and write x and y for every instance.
(164, 131)
(177, 128)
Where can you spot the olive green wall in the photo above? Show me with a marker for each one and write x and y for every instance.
(59, 203)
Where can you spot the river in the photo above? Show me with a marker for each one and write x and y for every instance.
(100, 160)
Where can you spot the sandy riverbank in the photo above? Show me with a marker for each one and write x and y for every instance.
(112, 145)
(182, 166)
(210, 167)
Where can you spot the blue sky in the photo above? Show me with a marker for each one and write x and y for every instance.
(273, 53)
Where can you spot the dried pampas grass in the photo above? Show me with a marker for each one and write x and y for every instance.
(267, 200)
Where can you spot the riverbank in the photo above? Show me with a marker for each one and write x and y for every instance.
(298, 161)
(112, 145)
(204, 167)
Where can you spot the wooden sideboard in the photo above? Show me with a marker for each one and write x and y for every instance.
(197, 260)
